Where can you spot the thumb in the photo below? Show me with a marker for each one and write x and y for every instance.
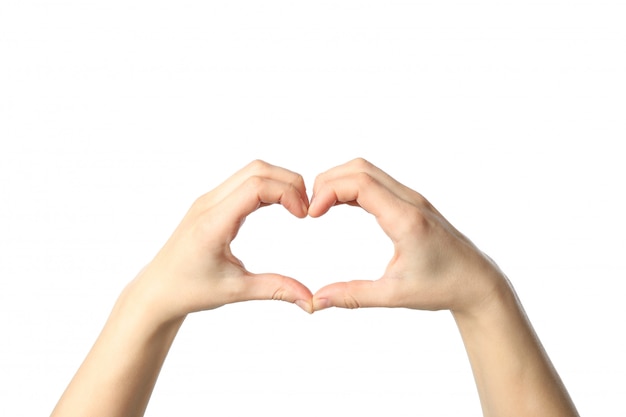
(352, 294)
(278, 287)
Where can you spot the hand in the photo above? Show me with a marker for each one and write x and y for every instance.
(196, 270)
(434, 266)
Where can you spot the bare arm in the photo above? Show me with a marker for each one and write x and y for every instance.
(119, 373)
(194, 271)
(435, 267)
(513, 373)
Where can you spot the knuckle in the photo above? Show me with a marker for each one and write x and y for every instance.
(361, 164)
(298, 181)
(204, 224)
(292, 188)
(319, 179)
(254, 181)
(280, 293)
(204, 201)
(351, 302)
(258, 166)
(421, 200)
(417, 222)
(364, 179)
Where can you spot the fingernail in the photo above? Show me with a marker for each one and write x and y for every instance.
(304, 305)
(321, 304)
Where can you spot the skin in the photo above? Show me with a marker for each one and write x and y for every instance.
(434, 267)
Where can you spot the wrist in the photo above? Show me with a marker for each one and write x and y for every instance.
(145, 300)
(498, 319)
(496, 296)
(508, 360)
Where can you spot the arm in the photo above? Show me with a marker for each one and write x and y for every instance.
(195, 270)
(435, 267)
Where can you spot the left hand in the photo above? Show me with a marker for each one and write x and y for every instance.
(434, 266)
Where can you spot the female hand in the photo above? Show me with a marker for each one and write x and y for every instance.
(434, 266)
(196, 270)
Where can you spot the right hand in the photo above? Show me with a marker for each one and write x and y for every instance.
(196, 270)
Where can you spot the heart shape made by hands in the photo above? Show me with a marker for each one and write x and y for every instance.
(344, 244)
(432, 266)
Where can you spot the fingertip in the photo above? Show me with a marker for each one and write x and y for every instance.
(305, 209)
(319, 206)
(311, 210)
(305, 305)
(321, 304)
(300, 210)
(305, 196)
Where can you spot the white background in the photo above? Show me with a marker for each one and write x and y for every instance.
(509, 116)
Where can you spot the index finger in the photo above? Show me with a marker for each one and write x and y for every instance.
(256, 168)
(361, 165)
(367, 192)
(252, 194)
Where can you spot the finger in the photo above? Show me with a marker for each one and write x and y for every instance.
(277, 287)
(256, 168)
(360, 165)
(371, 195)
(226, 218)
(353, 294)
(257, 191)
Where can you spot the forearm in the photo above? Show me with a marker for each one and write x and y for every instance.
(119, 373)
(194, 271)
(513, 373)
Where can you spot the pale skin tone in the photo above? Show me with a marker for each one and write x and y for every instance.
(434, 267)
